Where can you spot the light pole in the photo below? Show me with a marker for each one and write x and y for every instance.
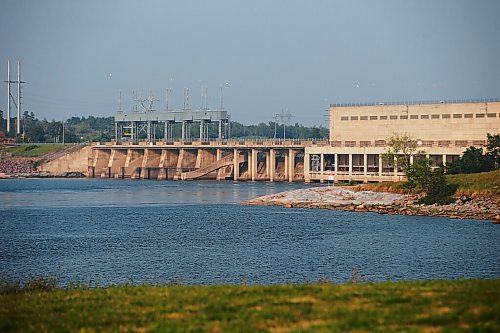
(275, 124)
(227, 83)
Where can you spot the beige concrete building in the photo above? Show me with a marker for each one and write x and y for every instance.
(358, 134)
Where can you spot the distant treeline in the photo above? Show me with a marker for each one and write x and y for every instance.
(84, 129)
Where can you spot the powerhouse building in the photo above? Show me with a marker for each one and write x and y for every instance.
(358, 135)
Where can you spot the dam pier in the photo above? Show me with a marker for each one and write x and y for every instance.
(250, 160)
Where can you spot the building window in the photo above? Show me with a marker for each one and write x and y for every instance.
(479, 115)
(373, 117)
(365, 143)
(435, 116)
(428, 143)
(363, 118)
(336, 143)
(354, 117)
(446, 116)
(468, 115)
(444, 143)
(350, 143)
(491, 115)
(344, 118)
(461, 143)
(414, 116)
(403, 117)
(383, 117)
(394, 117)
(457, 115)
(424, 116)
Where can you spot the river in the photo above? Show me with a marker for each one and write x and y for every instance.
(119, 231)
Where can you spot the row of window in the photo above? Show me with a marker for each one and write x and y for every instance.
(422, 143)
(422, 116)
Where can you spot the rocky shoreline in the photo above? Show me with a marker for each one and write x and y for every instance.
(70, 174)
(347, 199)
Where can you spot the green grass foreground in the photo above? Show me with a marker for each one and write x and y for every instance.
(413, 306)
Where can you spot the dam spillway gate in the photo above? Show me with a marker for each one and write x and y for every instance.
(216, 160)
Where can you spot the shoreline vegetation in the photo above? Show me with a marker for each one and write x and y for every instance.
(416, 306)
(477, 197)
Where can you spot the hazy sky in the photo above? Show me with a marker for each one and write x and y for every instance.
(301, 55)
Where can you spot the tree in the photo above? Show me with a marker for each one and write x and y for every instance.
(420, 174)
(493, 150)
(401, 148)
(472, 161)
(475, 160)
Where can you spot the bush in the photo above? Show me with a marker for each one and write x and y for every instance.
(433, 182)
(440, 195)
(475, 160)
(439, 199)
(418, 174)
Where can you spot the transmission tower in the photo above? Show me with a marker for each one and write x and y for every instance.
(10, 97)
(285, 120)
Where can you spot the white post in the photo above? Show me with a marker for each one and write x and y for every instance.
(365, 165)
(18, 123)
(380, 164)
(8, 97)
(349, 162)
(336, 161)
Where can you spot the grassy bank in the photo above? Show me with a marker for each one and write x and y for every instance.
(477, 183)
(485, 183)
(33, 150)
(423, 306)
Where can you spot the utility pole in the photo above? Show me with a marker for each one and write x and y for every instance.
(18, 127)
(275, 118)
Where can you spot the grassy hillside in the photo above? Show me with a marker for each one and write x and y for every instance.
(477, 183)
(422, 306)
(32, 150)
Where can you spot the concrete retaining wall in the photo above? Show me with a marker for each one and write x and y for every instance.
(76, 161)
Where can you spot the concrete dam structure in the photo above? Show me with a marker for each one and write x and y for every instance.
(216, 160)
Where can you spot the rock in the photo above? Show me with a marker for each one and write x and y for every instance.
(361, 208)
(288, 205)
(496, 219)
(465, 198)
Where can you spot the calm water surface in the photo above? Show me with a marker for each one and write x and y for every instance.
(146, 231)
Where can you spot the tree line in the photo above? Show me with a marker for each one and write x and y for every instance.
(87, 129)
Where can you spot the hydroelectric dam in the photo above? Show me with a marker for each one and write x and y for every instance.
(358, 139)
